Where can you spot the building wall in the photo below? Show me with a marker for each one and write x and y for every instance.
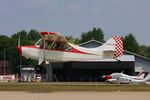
(144, 63)
(89, 71)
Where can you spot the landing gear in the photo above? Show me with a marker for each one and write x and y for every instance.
(38, 69)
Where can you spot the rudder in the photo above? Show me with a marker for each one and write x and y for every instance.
(118, 46)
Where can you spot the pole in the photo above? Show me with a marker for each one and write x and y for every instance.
(19, 40)
(20, 59)
(49, 72)
(20, 62)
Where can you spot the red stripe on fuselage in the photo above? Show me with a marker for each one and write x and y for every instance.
(137, 78)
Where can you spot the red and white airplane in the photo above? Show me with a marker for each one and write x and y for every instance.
(121, 78)
(54, 47)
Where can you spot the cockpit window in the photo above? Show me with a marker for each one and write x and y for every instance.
(116, 75)
(38, 43)
(53, 45)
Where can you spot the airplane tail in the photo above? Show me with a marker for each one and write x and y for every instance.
(113, 47)
(141, 74)
(146, 80)
(118, 46)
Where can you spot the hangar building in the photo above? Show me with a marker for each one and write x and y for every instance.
(92, 71)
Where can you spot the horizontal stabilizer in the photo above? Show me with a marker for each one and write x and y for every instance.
(108, 54)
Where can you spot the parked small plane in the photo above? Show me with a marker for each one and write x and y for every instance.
(121, 78)
(54, 47)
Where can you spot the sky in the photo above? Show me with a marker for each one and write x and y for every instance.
(73, 17)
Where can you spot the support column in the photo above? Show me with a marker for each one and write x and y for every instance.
(49, 72)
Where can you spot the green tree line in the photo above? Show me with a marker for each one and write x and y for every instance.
(8, 44)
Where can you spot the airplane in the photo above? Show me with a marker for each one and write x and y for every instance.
(53, 47)
(121, 78)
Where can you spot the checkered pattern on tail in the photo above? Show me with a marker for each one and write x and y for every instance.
(118, 46)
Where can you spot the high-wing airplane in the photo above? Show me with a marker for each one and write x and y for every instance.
(121, 78)
(54, 47)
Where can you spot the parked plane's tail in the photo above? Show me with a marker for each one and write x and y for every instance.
(141, 74)
(147, 78)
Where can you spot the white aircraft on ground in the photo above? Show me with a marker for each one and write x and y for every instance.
(121, 78)
(54, 47)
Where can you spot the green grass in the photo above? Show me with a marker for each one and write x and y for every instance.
(71, 86)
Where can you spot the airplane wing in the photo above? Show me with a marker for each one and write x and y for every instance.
(53, 41)
(52, 36)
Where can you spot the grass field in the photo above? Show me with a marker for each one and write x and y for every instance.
(72, 86)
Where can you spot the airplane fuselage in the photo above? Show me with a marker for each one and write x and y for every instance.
(57, 55)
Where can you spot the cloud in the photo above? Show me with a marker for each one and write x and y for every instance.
(95, 10)
(25, 5)
(74, 7)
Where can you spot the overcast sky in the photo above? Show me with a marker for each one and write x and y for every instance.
(72, 17)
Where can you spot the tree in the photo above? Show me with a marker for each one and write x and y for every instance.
(73, 40)
(5, 43)
(26, 38)
(148, 51)
(130, 43)
(23, 35)
(143, 50)
(33, 36)
(9, 44)
(95, 33)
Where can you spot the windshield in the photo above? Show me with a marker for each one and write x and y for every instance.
(116, 75)
(53, 45)
(38, 43)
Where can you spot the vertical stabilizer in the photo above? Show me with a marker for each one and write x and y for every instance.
(112, 48)
(141, 75)
(118, 46)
